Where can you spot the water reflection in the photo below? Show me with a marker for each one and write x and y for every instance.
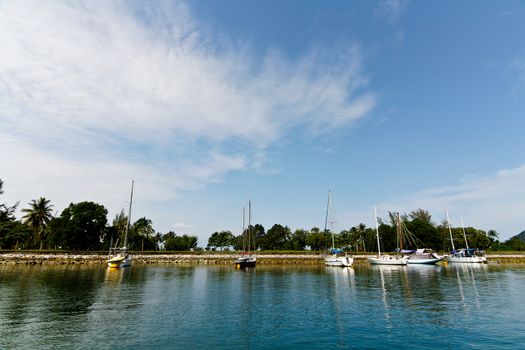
(16, 294)
(114, 276)
(466, 275)
(46, 301)
(385, 300)
(389, 278)
(343, 290)
(268, 307)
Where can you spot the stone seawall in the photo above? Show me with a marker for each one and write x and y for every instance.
(200, 259)
(195, 259)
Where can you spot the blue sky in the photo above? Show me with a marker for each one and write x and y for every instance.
(205, 104)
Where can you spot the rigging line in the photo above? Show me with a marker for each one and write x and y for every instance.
(410, 235)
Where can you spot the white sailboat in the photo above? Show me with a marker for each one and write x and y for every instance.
(417, 256)
(385, 259)
(335, 259)
(465, 255)
(424, 256)
(119, 256)
(247, 259)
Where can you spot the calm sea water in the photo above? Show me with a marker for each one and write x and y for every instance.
(173, 307)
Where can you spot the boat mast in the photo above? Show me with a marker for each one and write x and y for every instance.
(327, 209)
(399, 235)
(328, 213)
(377, 232)
(129, 215)
(249, 224)
(449, 229)
(464, 233)
(243, 228)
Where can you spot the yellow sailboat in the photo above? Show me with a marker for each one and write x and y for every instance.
(119, 256)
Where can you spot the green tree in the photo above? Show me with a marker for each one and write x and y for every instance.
(257, 236)
(215, 241)
(6, 212)
(221, 239)
(359, 237)
(144, 229)
(37, 217)
(425, 234)
(493, 238)
(478, 238)
(318, 240)
(120, 223)
(110, 237)
(514, 243)
(18, 235)
(7, 219)
(388, 237)
(81, 226)
(297, 240)
(159, 239)
(179, 243)
(238, 242)
(277, 237)
(421, 214)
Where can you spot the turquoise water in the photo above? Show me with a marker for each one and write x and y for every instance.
(173, 307)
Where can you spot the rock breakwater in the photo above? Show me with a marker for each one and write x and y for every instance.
(196, 259)
(199, 259)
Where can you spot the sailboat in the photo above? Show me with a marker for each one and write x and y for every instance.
(465, 255)
(417, 256)
(335, 259)
(119, 256)
(385, 259)
(247, 259)
(423, 256)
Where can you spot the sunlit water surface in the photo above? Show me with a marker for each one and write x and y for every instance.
(365, 307)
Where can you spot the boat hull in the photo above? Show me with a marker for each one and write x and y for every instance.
(336, 261)
(117, 262)
(244, 262)
(388, 260)
(430, 261)
(126, 262)
(467, 259)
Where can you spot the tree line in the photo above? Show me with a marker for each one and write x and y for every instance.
(81, 226)
(84, 226)
(417, 230)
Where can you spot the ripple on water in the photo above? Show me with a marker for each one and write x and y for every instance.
(265, 308)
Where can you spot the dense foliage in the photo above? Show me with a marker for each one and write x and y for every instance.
(81, 226)
(416, 230)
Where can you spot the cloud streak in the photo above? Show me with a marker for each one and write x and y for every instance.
(392, 10)
(95, 93)
(493, 201)
(85, 69)
(517, 73)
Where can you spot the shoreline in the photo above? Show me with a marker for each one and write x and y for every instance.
(200, 259)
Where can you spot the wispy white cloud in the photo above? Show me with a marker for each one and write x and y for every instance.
(93, 94)
(516, 71)
(392, 9)
(494, 201)
(183, 226)
(485, 201)
(82, 69)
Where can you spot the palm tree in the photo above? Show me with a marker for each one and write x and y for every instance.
(158, 240)
(6, 212)
(37, 216)
(120, 223)
(144, 227)
(421, 214)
